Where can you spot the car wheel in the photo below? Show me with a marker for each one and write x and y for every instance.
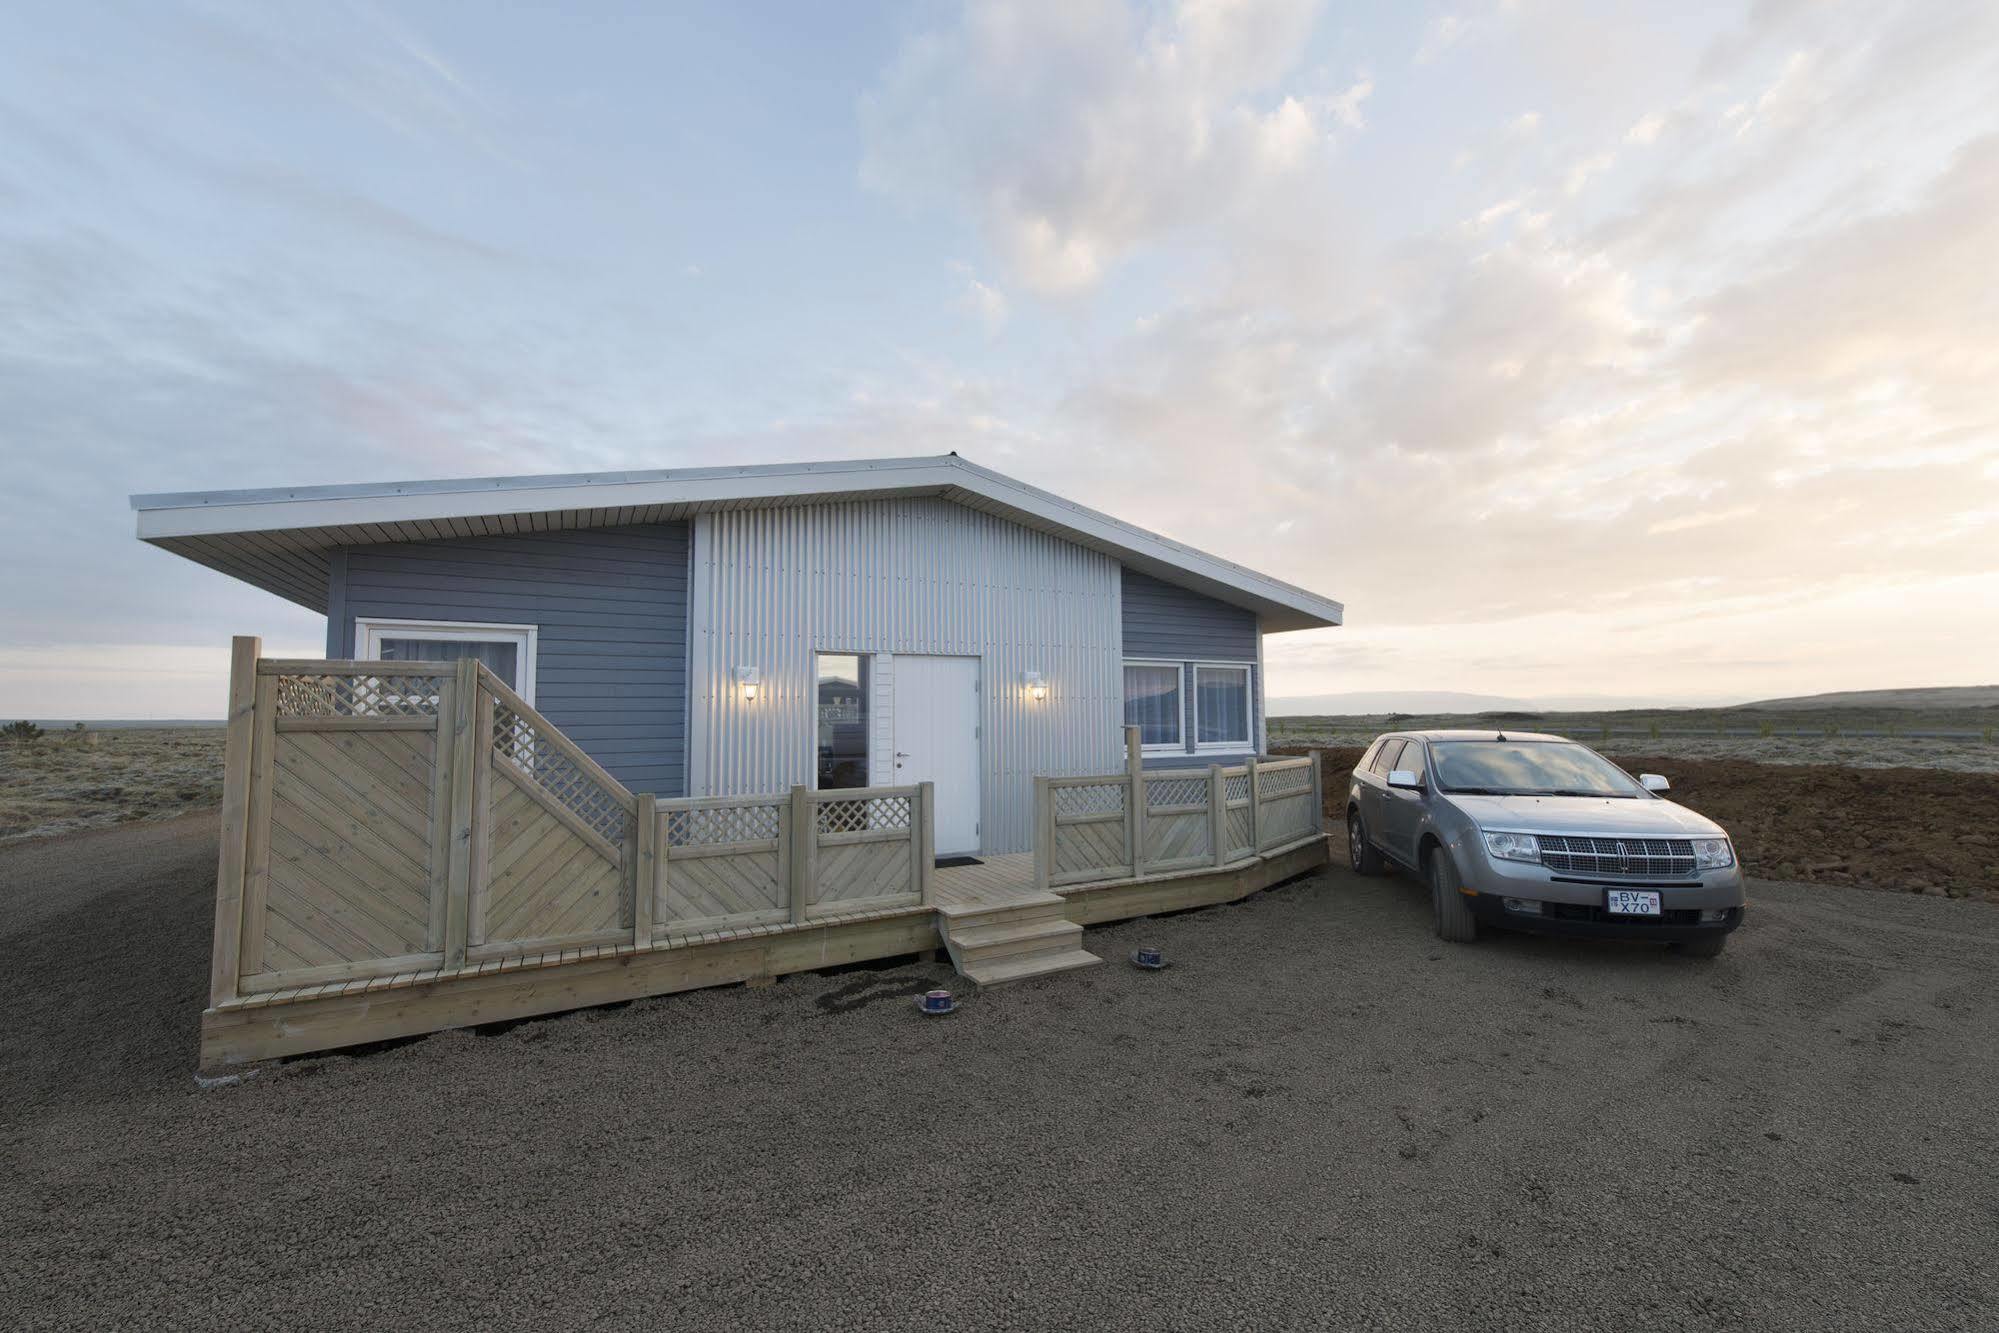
(1453, 914)
(1360, 852)
(1710, 947)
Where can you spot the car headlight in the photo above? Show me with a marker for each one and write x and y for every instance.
(1713, 854)
(1513, 846)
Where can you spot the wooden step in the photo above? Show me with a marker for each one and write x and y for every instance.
(1025, 967)
(980, 944)
(1045, 908)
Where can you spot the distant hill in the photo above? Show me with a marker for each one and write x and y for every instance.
(1930, 698)
(1430, 703)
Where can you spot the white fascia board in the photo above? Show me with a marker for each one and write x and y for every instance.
(215, 512)
(219, 514)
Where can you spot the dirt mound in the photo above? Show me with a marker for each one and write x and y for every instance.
(1911, 830)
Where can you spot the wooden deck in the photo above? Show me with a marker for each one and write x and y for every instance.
(410, 847)
(994, 906)
(996, 880)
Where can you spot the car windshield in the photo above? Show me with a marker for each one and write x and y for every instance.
(1527, 768)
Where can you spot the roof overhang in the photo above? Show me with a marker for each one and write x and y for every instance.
(280, 539)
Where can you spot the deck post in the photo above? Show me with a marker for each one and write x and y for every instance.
(1044, 834)
(1319, 791)
(803, 831)
(225, 957)
(926, 839)
(1218, 814)
(1255, 808)
(1134, 818)
(464, 783)
(645, 871)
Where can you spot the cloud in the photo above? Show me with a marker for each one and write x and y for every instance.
(1075, 131)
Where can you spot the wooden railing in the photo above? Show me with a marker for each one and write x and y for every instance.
(382, 818)
(720, 862)
(1139, 822)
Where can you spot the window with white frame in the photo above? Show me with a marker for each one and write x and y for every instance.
(507, 650)
(1153, 703)
(1222, 707)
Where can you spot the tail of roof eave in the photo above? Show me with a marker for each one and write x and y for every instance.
(1326, 610)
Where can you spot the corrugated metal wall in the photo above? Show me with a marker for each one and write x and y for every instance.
(772, 587)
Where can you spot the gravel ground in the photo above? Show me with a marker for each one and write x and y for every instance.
(1318, 1117)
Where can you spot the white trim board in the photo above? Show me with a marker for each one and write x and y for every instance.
(369, 629)
(1248, 742)
(1179, 670)
(279, 539)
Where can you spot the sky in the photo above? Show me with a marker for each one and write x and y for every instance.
(1581, 349)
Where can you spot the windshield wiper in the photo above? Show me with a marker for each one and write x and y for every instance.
(1478, 791)
(1607, 795)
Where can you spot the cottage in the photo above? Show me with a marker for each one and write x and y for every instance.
(721, 631)
(664, 645)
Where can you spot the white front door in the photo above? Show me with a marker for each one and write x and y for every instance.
(936, 723)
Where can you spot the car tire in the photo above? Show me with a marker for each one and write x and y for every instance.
(1454, 920)
(1361, 854)
(1710, 947)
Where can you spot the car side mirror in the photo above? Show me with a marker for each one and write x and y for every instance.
(1654, 782)
(1405, 778)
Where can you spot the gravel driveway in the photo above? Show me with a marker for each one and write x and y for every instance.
(1319, 1116)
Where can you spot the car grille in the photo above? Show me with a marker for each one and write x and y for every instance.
(1671, 916)
(1625, 858)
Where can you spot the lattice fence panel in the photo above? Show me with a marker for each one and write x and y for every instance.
(1166, 792)
(390, 695)
(713, 825)
(517, 740)
(1236, 786)
(1285, 781)
(1103, 798)
(864, 815)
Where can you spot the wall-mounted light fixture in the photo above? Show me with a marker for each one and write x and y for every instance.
(1037, 685)
(748, 678)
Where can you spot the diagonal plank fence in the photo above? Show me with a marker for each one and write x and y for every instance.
(1139, 822)
(384, 818)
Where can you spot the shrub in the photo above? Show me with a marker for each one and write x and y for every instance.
(26, 732)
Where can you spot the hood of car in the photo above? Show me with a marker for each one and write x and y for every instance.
(1593, 815)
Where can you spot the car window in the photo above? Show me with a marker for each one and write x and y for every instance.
(1529, 768)
(1366, 764)
(1383, 757)
(1412, 759)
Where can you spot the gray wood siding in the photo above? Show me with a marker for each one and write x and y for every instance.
(1167, 623)
(611, 607)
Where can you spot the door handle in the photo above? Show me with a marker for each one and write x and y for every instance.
(901, 754)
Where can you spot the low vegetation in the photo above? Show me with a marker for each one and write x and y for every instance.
(1964, 739)
(58, 782)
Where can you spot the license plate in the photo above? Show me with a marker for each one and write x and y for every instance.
(1633, 902)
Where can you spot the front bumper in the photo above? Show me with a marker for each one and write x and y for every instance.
(1578, 922)
(1573, 905)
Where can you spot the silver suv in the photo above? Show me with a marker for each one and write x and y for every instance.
(1538, 833)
